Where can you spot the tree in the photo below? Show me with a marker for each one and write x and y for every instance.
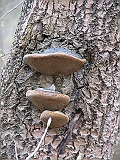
(89, 28)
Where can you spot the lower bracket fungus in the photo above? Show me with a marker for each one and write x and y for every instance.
(59, 119)
(46, 99)
(55, 60)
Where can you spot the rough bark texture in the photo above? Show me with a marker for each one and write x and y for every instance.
(89, 28)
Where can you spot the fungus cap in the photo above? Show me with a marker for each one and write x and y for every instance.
(46, 99)
(55, 60)
(59, 119)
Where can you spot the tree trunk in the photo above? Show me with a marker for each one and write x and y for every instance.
(89, 28)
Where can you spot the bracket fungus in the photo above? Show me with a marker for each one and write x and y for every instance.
(58, 119)
(47, 99)
(55, 60)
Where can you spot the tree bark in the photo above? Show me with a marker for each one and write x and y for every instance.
(91, 29)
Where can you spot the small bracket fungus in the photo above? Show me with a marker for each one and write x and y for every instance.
(55, 60)
(47, 99)
(58, 119)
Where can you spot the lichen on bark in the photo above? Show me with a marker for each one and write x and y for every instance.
(91, 29)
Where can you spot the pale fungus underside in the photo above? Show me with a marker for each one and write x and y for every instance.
(58, 119)
(48, 100)
(53, 61)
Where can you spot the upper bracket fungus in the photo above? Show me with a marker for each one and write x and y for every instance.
(47, 99)
(55, 60)
(58, 119)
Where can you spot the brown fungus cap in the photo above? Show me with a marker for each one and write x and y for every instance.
(46, 99)
(58, 118)
(55, 60)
